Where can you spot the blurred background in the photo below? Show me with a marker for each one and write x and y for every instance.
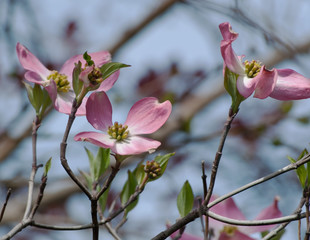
(173, 49)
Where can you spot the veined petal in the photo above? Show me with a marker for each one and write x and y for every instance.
(31, 62)
(135, 145)
(99, 59)
(232, 61)
(291, 86)
(246, 85)
(268, 213)
(147, 115)
(99, 111)
(266, 82)
(108, 83)
(100, 139)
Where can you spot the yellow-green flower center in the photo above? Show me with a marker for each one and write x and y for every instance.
(95, 76)
(61, 80)
(118, 131)
(229, 230)
(252, 68)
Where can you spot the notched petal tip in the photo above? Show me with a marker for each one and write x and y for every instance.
(147, 115)
(227, 32)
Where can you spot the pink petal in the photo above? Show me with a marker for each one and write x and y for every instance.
(235, 236)
(268, 213)
(147, 116)
(62, 101)
(34, 77)
(232, 61)
(246, 86)
(30, 62)
(100, 139)
(99, 111)
(266, 83)
(228, 208)
(108, 83)
(135, 145)
(99, 58)
(291, 86)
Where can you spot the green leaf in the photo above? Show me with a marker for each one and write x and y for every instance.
(33, 93)
(128, 189)
(163, 162)
(230, 84)
(139, 173)
(103, 198)
(76, 82)
(301, 171)
(88, 59)
(277, 237)
(47, 167)
(101, 162)
(88, 179)
(109, 68)
(91, 160)
(185, 200)
(46, 101)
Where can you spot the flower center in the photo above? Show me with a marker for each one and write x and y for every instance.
(153, 169)
(229, 230)
(61, 80)
(118, 131)
(95, 76)
(252, 68)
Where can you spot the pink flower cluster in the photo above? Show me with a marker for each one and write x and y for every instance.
(145, 117)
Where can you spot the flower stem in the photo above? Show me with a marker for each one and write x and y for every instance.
(63, 147)
(218, 155)
(35, 126)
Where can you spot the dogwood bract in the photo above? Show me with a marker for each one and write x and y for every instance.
(229, 209)
(146, 116)
(59, 84)
(281, 84)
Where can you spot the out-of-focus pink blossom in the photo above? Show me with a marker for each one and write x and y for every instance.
(229, 209)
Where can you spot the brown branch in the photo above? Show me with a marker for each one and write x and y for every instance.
(8, 194)
(129, 34)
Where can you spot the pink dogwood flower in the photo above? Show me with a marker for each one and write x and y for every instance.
(59, 84)
(281, 84)
(146, 116)
(229, 209)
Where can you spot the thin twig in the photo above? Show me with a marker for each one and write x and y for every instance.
(40, 196)
(218, 155)
(108, 182)
(8, 194)
(35, 127)
(63, 147)
(205, 189)
(131, 199)
(306, 193)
